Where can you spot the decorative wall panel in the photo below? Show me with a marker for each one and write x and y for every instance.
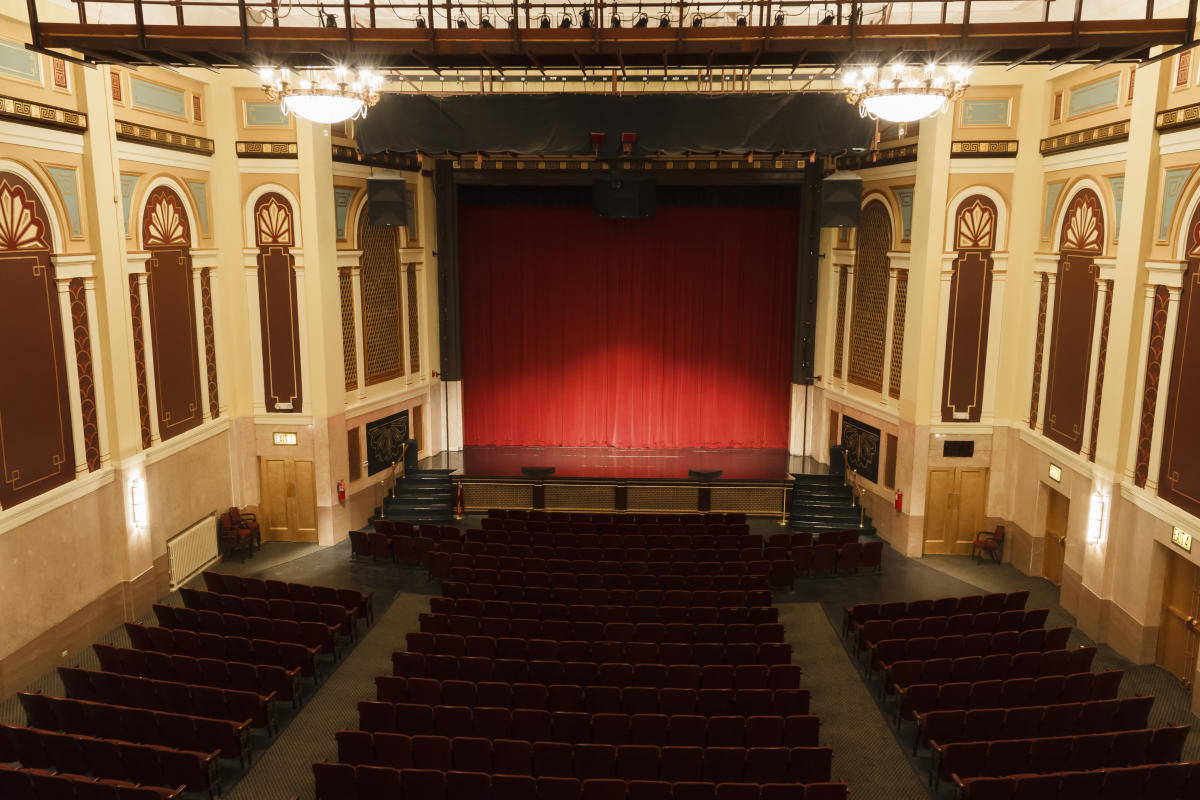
(414, 324)
(1101, 359)
(139, 361)
(210, 343)
(839, 342)
(349, 351)
(36, 447)
(172, 313)
(1039, 347)
(383, 336)
(898, 316)
(277, 303)
(81, 333)
(1074, 316)
(385, 441)
(1154, 353)
(862, 447)
(969, 310)
(1179, 473)
(869, 322)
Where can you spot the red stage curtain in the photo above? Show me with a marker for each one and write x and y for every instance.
(673, 331)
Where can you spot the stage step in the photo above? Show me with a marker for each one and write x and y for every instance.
(422, 495)
(825, 503)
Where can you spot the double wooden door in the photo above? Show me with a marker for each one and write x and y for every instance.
(289, 499)
(1179, 641)
(1054, 546)
(954, 505)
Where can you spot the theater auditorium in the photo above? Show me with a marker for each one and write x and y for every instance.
(599, 400)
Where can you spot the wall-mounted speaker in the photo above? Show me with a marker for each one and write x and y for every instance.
(841, 200)
(619, 197)
(387, 202)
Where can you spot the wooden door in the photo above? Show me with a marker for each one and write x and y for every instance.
(416, 419)
(1177, 642)
(1054, 548)
(954, 508)
(939, 497)
(289, 503)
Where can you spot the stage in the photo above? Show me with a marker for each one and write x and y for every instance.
(754, 481)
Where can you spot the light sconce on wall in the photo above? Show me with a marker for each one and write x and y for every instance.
(137, 505)
(1097, 518)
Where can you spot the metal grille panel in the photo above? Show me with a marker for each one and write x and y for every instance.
(414, 326)
(841, 323)
(349, 351)
(869, 322)
(567, 497)
(898, 333)
(748, 499)
(497, 495)
(383, 339)
(662, 498)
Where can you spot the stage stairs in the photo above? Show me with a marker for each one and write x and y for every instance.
(825, 503)
(423, 495)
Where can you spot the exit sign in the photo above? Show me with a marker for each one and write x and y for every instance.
(1055, 472)
(286, 439)
(1182, 539)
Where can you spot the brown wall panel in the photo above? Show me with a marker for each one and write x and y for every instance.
(868, 323)
(1179, 474)
(1154, 353)
(969, 311)
(277, 307)
(36, 448)
(1039, 346)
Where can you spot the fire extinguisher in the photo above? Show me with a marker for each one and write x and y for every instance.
(341, 490)
(899, 500)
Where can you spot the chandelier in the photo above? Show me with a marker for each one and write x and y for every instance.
(324, 97)
(904, 92)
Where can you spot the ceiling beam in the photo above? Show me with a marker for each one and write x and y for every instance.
(1121, 55)
(1027, 56)
(1080, 53)
(192, 60)
(234, 59)
(158, 62)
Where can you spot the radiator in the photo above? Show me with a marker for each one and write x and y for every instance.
(193, 550)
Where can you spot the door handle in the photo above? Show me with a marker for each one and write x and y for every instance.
(1062, 540)
(291, 490)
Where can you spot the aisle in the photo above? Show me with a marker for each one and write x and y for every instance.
(865, 752)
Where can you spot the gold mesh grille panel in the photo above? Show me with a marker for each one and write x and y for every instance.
(349, 353)
(568, 497)
(497, 495)
(898, 333)
(748, 499)
(869, 321)
(662, 498)
(841, 323)
(382, 336)
(414, 327)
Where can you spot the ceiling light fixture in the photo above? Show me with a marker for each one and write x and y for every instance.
(904, 92)
(324, 97)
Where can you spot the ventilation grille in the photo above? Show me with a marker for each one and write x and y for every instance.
(381, 301)
(192, 550)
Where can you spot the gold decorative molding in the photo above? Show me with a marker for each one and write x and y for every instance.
(1175, 119)
(42, 115)
(1088, 137)
(591, 164)
(266, 150)
(352, 155)
(158, 137)
(984, 149)
(879, 158)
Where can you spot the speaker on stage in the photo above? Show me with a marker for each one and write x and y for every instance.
(620, 197)
(387, 202)
(841, 200)
(537, 472)
(701, 475)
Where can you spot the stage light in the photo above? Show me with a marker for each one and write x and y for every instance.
(544, 22)
(615, 22)
(741, 20)
(780, 19)
(420, 22)
(462, 22)
(642, 20)
(828, 19)
(484, 22)
(664, 21)
(585, 18)
(697, 21)
(566, 21)
(512, 22)
(329, 20)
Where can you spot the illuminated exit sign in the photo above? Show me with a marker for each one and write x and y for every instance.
(288, 439)
(1182, 539)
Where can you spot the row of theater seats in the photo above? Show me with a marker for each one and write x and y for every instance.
(180, 698)
(18, 783)
(957, 760)
(597, 630)
(877, 630)
(109, 721)
(580, 727)
(79, 754)
(337, 781)
(1000, 666)
(1024, 722)
(592, 673)
(707, 517)
(957, 645)
(316, 635)
(1048, 690)
(360, 603)
(288, 655)
(696, 590)
(334, 615)
(602, 652)
(656, 611)
(517, 567)
(258, 678)
(1147, 782)
(611, 580)
(853, 617)
(619, 528)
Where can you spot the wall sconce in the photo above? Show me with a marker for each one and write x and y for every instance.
(1097, 518)
(137, 504)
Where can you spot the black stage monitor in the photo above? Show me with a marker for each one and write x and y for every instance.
(703, 475)
(841, 200)
(537, 472)
(620, 197)
(386, 202)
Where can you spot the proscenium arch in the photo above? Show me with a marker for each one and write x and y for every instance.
(189, 208)
(1001, 216)
(248, 225)
(47, 198)
(1182, 223)
(1067, 197)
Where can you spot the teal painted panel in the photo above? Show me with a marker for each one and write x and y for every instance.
(68, 187)
(341, 208)
(1053, 190)
(1173, 183)
(1094, 96)
(985, 113)
(18, 62)
(200, 193)
(127, 184)
(905, 196)
(155, 97)
(264, 114)
(1118, 189)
